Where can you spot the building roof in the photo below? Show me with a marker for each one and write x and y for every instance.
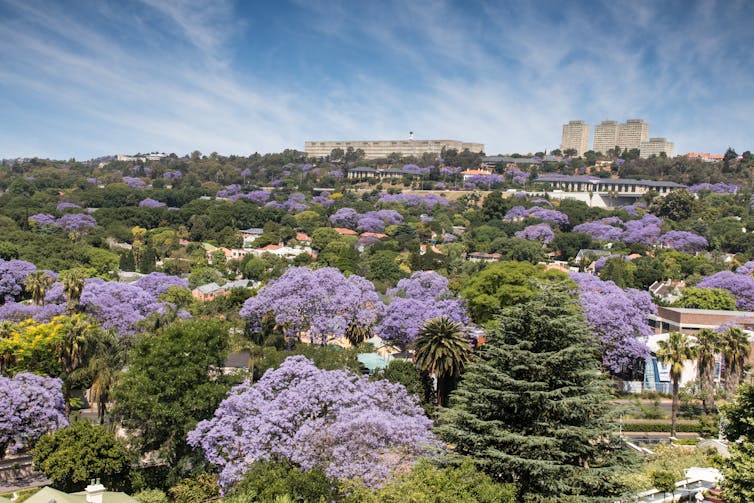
(208, 288)
(362, 169)
(377, 235)
(719, 312)
(302, 236)
(48, 494)
(607, 181)
(345, 232)
(254, 231)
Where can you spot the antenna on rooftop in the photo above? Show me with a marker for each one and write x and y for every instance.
(410, 135)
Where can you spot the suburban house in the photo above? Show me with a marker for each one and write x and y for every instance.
(484, 257)
(211, 291)
(690, 321)
(250, 235)
(94, 493)
(667, 291)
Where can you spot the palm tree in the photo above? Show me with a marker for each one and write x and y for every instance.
(736, 349)
(708, 344)
(675, 351)
(441, 349)
(73, 349)
(103, 373)
(73, 282)
(356, 334)
(37, 284)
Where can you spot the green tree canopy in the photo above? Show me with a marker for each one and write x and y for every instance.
(72, 456)
(504, 284)
(532, 407)
(707, 298)
(172, 383)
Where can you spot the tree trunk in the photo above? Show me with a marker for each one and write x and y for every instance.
(67, 398)
(708, 385)
(674, 409)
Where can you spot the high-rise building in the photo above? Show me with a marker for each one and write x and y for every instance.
(656, 146)
(632, 133)
(605, 136)
(575, 136)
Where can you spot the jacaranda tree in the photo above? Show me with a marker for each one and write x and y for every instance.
(347, 425)
(30, 406)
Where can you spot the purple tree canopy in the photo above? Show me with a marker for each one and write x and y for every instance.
(428, 201)
(13, 275)
(617, 317)
(422, 297)
(134, 183)
(599, 230)
(684, 241)
(747, 269)
(30, 406)
(62, 206)
(740, 285)
(151, 203)
(157, 283)
(345, 217)
(646, 230)
(43, 219)
(76, 222)
(323, 303)
(539, 232)
(348, 425)
(119, 306)
(717, 188)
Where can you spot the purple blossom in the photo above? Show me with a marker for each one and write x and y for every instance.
(486, 180)
(322, 303)
(256, 196)
(717, 188)
(76, 222)
(540, 200)
(323, 199)
(345, 217)
(43, 219)
(172, 175)
(151, 203)
(13, 275)
(229, 191)
(30, 406)
(646, 230)
(246, 173)
(599, 230)
(336, 173)
(440, 186)
(91, 180)
(415, 170)
(618, 318)
(539, 232)
(134, 183)
(450, 170)
(746, 269)
(157, 283)
(449, 238)
(600, 263)
(119, 306)
(14, 311)
(422, 297)
(687, 242)
(350, 426)
(740, 285)
(428, 201)
(62, 206)
(518, 213)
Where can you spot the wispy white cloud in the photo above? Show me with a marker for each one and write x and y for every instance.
(165, 75)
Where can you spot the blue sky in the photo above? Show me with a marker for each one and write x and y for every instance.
(83, 79)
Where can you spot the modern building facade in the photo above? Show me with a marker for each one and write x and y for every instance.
(377, 149)
(605, 136)
(656, 146)
(575, 136)
(632, 133)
